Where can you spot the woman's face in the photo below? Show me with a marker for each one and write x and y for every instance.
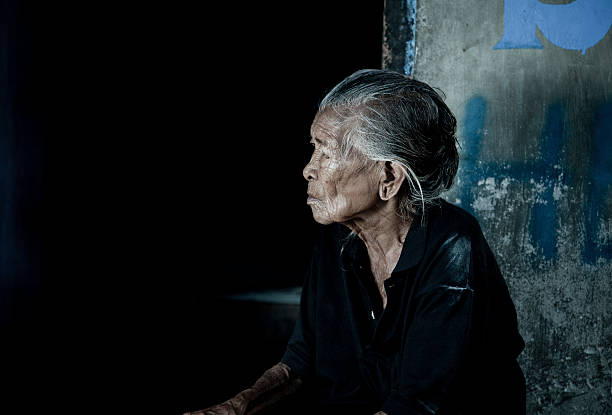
(339, 189)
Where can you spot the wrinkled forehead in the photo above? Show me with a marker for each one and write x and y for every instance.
(329, 127)
(324, 128)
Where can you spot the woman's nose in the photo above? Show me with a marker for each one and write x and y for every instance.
(309, 172)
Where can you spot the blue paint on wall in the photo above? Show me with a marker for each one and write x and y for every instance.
(543, 221)
(411, 8)
(519, 26)
(470, 168)
(575, 26)
(600, 187)
(543, 169)
(546, 168)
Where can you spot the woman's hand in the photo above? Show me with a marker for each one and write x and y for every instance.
(274, 385)
(235, 406)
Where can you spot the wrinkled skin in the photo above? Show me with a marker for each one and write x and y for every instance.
(276, 383)
(338, 188)
(235, 406)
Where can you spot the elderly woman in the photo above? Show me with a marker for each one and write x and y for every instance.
(404, 310)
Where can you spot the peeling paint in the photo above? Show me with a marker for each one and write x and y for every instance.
(488, 193)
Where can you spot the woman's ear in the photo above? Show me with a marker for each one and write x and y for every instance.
(392, 177)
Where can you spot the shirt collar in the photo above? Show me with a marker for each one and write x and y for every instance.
(414, 244)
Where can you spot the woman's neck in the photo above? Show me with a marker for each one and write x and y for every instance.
(383, 231)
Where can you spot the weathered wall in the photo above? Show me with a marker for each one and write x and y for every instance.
(535, 128)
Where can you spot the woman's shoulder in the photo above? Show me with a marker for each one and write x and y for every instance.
(445, 218)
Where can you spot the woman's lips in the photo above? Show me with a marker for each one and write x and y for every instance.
(311, 199)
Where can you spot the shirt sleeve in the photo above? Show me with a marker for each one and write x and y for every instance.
(299, 354)
(435, 343)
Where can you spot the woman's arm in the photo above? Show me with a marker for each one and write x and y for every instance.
(275, 384)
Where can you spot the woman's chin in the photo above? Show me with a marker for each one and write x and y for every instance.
(321, 218)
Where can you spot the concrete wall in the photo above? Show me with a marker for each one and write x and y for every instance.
(531, 86)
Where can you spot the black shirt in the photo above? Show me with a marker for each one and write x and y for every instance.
(446, 342)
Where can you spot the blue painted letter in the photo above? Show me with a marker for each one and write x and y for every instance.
(576, 26)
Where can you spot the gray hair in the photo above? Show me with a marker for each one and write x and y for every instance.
(388, 116)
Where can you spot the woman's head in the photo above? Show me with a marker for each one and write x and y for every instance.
(386, 116)
(377, 121)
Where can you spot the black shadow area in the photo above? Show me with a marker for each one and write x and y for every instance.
(155, 155)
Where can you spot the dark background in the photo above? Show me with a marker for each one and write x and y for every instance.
(151, 160)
